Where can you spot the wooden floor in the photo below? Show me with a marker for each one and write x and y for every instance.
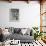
(35, 43)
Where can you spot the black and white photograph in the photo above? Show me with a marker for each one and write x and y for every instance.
(14, 15)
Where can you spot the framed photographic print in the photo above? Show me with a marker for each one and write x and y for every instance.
(14, 14)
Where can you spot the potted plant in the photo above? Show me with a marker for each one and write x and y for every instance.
(37, 33)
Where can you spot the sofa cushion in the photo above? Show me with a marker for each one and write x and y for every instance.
(23, 31)
(11, 30)
(17, 30)
(28, 31)
(22, 38)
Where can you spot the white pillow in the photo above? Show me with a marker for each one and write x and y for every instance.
(23, 31)
(5, 32)
(28, 31)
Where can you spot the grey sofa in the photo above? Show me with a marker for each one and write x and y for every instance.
(22, 38)
(17, 35)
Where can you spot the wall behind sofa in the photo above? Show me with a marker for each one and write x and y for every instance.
(29, 14)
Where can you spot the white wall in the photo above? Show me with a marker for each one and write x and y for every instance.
(29, 14)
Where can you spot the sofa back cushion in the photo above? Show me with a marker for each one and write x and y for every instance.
(17, 30)
(11, 29)
(23, 31)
